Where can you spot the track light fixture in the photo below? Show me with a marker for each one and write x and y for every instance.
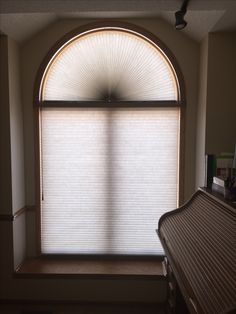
(180, 23)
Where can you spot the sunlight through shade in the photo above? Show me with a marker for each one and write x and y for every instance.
(108, 176)
(113, 65)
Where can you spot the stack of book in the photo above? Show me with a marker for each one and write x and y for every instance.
(219, 184)
(224, 165)
(226, 187)
(218, 169)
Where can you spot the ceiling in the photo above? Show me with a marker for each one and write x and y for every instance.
(22, 19)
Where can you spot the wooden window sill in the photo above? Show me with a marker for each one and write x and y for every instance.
(42, 267)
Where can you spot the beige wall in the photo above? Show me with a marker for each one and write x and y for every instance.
(16, 128)
(32, 53)
(13, 233)
(11, 138)
(216, 126)
(201, 114)
(221, 100)
(5, 136)
(6, 240)
(17, 152)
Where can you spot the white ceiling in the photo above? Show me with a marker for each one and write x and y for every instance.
(21, 19)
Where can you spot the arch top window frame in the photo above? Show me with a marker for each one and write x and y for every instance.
(40, 103)
(126, 28)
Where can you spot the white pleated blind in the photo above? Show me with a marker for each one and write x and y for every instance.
(110, 64)
(107, 177)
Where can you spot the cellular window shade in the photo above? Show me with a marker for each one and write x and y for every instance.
(108, 175)
(110, 64)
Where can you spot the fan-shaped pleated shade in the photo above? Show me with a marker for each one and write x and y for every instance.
(110, 64)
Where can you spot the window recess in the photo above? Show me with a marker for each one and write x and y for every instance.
(109, 144)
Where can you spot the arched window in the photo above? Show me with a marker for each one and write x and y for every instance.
(109, 144)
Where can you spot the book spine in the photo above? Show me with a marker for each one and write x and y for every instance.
(210, 169)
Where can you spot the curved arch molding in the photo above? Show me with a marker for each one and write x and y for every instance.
(109, 64)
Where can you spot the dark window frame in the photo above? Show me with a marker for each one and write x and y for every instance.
(38, 104)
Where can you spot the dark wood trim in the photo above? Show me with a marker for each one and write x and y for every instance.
(88, 268)
(182, 155)
(107, 105)
(37, 98)
(38, 179)
(19, 212)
